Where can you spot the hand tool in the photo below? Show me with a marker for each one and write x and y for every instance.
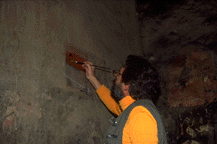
(96, 66)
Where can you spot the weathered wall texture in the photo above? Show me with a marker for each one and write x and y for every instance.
(180, 37)
(44, 100)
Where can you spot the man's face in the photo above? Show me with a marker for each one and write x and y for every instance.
(116, 90)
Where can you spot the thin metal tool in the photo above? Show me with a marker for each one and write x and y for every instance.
(96, 67)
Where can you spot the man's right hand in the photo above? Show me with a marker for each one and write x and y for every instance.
(89, 69)
(90, 74)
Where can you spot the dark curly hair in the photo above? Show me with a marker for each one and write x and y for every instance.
(142, 77)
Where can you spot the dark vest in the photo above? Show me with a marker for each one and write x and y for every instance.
(115, 132)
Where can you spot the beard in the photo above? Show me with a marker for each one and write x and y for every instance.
(116, 91)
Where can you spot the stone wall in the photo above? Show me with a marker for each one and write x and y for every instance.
(180, 38)
(44, 100)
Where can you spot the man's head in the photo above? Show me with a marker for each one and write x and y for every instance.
(137, 78)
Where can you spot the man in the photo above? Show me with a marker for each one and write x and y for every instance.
(130, 98)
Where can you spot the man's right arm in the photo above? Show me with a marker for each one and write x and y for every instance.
(105, 95)
(103, 92)
(95, 82)
(90, 75)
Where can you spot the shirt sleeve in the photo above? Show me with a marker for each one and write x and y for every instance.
(142, 127)
(105, 95)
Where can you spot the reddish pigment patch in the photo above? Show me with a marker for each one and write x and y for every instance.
(193, 83)
(7, 123)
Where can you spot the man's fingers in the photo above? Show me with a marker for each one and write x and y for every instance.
(87, 66)
(87, 62)
(89, 69)
(84, 66)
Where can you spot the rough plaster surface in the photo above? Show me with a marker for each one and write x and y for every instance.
(43, 100)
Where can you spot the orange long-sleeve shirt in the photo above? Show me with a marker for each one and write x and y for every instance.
(140, 128)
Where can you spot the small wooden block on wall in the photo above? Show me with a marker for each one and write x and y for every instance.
(73, 54)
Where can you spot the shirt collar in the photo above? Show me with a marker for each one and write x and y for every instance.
(125, 102)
